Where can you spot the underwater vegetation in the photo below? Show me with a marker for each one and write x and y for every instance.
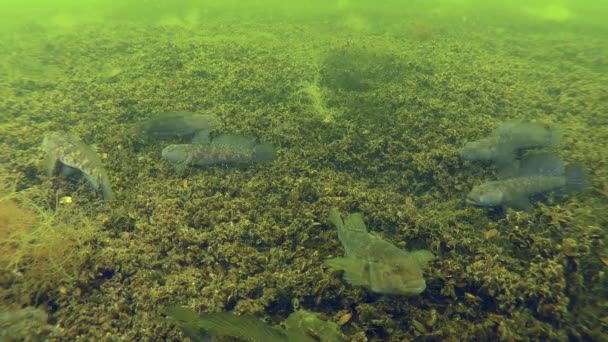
(56, 248)
(369, 110)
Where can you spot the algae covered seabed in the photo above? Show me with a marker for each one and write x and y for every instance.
(367, 117)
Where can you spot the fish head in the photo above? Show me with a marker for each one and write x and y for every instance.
(401, 276)
(486, 195)
(176, 153)
(478, 150)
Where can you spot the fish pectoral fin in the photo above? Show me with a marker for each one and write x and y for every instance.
(337, 264)
(353, 270)
(355, 278)
(51, 164)
(181, 167)
(519, 203)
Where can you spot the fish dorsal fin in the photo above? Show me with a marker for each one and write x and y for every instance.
(504, 129)
(353, 235)
(234, 141)
(508, 170)
(505, 156)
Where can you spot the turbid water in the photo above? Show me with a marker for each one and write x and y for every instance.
(365, 107)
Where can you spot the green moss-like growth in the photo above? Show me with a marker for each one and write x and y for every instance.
(371, 122)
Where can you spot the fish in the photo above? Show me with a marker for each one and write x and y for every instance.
(179, 124)
(306, 322)
(374, 263)
(211, 326)
(504, 144)
(69, 154)
(537, 175)
(224, 149)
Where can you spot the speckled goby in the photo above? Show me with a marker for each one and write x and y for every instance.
(226, 149)
(179, 124)
(536, 175)
(66, 154)
(374, 263)
(508, 139)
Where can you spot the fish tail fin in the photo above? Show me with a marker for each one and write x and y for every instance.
(265, 153)
(576, 178)
(556, 135)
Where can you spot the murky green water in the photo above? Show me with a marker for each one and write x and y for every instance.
(365, 107)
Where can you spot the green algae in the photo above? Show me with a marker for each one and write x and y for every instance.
(373, 122)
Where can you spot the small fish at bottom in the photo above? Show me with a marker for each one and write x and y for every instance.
(539, 174)
(376, 264)
(69, 154)
(225, 149)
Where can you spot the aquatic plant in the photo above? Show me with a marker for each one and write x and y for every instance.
(253, 240)
(42, 245)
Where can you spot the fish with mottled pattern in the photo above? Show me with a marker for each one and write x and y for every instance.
(376, 264)
(503, 145)
(539, 174)
(68, 153)
(225, 149)
(179, 124)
